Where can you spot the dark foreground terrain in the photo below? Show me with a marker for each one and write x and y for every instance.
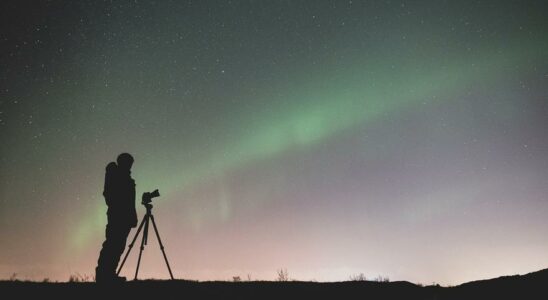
(530, 286)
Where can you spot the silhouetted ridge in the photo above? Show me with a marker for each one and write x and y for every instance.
(529, 286)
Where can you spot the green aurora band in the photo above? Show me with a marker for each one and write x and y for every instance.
(321, 108)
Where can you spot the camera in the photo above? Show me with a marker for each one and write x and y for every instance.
(147, 197)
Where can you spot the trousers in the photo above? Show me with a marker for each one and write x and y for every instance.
(113, 247)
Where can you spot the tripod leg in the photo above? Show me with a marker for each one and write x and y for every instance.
(143, 241)
(146, 230)
(161, 246)
(131, 245)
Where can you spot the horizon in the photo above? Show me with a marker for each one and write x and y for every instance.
(361, 277)
(279, 278)
(328, 138)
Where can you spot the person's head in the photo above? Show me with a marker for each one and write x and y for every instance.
(125, 161)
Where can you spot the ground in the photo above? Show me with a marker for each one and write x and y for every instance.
(530, 286)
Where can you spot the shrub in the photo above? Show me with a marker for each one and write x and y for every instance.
(79, 278)
(358, 277)
(282, 275)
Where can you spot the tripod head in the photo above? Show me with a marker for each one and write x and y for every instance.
(148, 206)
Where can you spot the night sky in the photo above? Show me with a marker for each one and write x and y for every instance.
(330, 138)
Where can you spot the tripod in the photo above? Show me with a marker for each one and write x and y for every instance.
(144, 224)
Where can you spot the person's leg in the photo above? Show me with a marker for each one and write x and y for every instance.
(121, 240)
(104, 267)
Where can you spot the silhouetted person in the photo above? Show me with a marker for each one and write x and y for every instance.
(119, 193)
